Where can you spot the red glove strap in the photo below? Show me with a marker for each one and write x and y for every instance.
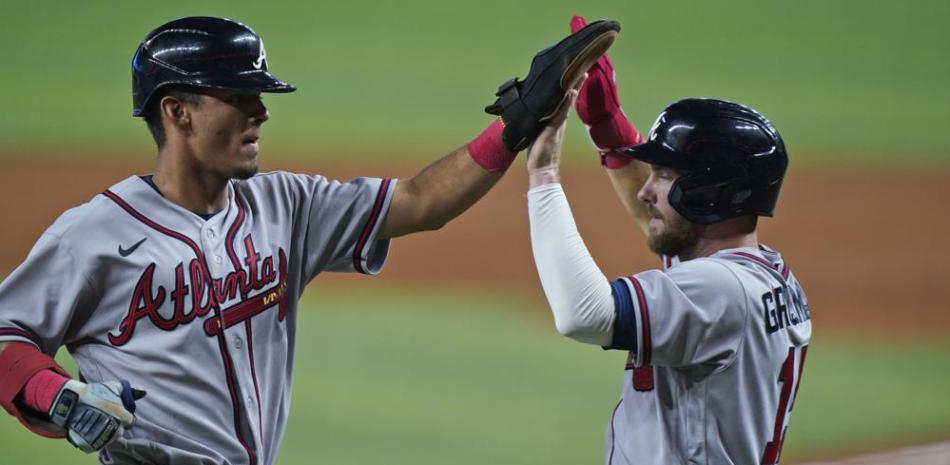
(614, 159)
(614, 133)
(41, 390)
(19, 362)
(488, 149)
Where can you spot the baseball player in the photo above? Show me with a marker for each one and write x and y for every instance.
(717, 339)
(184, 284)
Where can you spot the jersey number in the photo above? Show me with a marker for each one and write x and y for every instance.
(790, 378)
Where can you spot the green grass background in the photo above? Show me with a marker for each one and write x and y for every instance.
(858, 80)
(388, 376)
(416, 376)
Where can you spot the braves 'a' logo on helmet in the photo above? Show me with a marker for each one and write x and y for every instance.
(257, 64)
(659, 120)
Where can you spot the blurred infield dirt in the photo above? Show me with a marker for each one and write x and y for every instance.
(867, 246)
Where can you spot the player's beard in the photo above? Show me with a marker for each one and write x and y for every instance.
(678, 238)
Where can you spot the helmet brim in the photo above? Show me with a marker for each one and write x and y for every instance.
(256, 80)
(249, 81)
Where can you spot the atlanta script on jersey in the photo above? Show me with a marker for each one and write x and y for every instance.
(199, 313)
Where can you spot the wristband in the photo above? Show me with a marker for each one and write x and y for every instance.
(488, 150)
(19, 362)
(41, 390)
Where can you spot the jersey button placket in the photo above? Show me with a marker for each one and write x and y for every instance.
(214, 250)
(214, 263)
(213, 253)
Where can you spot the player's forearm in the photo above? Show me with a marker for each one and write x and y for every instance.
(452, 185)
(578, 293)
(627, 181)
(437, 194)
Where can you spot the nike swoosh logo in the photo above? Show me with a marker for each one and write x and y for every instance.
(127, 252)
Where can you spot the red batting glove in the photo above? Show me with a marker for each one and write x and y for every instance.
(598, 106)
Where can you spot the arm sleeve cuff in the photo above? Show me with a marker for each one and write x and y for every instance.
(625, 323)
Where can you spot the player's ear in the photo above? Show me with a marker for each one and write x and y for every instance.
(176, 111)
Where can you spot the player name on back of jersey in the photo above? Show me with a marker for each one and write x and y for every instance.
(784, 306)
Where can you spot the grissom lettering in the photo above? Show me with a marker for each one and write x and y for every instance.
(778, 314)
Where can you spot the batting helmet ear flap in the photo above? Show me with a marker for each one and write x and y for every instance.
(710, 197)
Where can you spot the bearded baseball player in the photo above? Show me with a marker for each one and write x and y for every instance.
(184, 284)
(718, 337)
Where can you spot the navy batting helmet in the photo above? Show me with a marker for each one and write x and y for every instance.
(201, 51)
(733, 159)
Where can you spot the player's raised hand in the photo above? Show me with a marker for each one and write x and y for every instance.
(527, 105)
(94, 414)
(544, 154)
(598, 104)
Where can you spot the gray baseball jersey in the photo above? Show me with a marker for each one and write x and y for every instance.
(200, 313)
(717, 348)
